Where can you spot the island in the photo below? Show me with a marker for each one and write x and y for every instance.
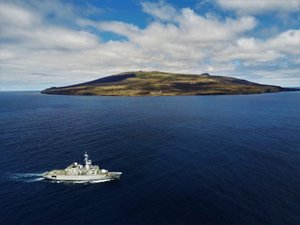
(156, 83)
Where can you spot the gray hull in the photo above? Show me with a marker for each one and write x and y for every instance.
(96, 177)
(82, 173)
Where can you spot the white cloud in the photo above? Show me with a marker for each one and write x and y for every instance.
(254, 50)
(287, 42)
(200, 28)
(16, 16)
(118, 27)
(187, 27)
(260, 6)
(286, 77)
(26, 28)
(45, 53)
(182, 45)
(159, 10)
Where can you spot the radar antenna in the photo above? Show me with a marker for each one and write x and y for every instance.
(87, 162)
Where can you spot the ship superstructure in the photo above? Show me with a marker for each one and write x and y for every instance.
(78, 172)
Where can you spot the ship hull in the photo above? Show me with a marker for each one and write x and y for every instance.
(96, 177)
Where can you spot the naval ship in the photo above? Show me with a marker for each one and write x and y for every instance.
(78, 172)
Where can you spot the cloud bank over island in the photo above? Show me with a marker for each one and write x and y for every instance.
(49, 43)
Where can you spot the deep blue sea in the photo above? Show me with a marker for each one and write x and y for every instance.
(203, 160)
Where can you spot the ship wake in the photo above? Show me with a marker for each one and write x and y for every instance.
(35, 177)
(26, 177)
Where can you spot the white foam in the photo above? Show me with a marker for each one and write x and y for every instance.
(27, 177)
(81, 182)
(100, 181)
(24, 175)
(35, 177)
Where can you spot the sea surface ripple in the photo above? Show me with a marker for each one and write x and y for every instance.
(205, 160)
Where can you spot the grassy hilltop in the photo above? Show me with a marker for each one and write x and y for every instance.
(156, 83)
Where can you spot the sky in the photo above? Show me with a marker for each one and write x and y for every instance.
(45, 43)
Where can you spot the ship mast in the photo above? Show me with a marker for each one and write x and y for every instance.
(87, 162)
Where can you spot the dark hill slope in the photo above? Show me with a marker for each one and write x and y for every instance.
(163, 84)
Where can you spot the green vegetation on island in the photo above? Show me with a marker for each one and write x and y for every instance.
(157, 83)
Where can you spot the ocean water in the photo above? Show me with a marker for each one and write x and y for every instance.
(203, 160)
